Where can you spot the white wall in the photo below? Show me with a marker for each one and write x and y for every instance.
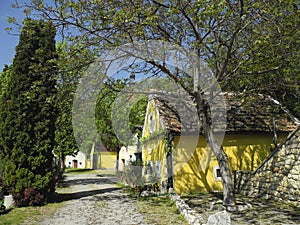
(126, 155)
(70, 161)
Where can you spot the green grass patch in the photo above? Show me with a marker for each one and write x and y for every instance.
(196, 194)
(29, 215)
(76, 171)
(128, 189)
(100, 172)
(106, 172)
(160, 210)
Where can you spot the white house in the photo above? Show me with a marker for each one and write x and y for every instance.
(79, 161)
(126, 155)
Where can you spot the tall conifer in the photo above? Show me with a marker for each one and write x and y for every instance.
(28, 115)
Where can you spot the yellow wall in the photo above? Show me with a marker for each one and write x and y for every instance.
(153, 150)
(193, 170)
(88, 164)
(107, 160)
(151, 111)
(193, 161)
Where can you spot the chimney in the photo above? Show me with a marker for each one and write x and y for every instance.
(132, 78)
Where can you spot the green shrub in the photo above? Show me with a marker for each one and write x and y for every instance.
(28, 112)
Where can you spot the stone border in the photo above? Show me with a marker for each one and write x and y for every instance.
(191, 216)
(194, 218)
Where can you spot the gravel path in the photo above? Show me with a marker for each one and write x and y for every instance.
(92, 199)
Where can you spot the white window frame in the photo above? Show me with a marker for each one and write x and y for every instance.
(216, 177)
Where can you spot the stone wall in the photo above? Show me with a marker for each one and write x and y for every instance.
(278, 177)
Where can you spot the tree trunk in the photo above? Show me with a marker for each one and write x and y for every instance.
(227, 181)
(62, 167)
(204, 114)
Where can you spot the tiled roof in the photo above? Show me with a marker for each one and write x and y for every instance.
(176, 112)
(251, 114)
(256, 113)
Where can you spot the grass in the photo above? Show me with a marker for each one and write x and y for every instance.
(29, 215)
(34, 215)
(72, 171)
(160, 210)
(157, 210)
(79, 171)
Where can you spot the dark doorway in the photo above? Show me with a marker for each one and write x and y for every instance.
(75, 164)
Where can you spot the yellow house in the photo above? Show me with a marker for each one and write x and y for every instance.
(101, 158)
(183, 161)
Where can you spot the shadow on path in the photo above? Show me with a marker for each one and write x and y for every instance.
(61, 197)
(80, 185)
(86, 181)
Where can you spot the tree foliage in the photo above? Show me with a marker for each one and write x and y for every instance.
(28, 114)
(271, 59)
(105, 113)
(106, 98)
(72, 62)
(68, 76)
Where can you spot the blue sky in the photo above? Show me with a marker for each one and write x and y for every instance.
(8, 42)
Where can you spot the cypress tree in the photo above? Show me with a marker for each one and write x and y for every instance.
(28, 116)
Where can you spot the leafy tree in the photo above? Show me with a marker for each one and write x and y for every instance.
(28, 115)
(106, 98)
(274, 53)
(105, 114)
(70, 67)
(65, 143)
(222, 33)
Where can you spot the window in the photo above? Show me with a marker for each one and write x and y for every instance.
(151, 122)
(157, 168)
(217, 173)
(149, 169)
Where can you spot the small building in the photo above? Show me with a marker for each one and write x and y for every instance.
(129, 154)
(78, 161)
(126, 155)
(101, 158)
(176, 154)
(108, 160)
